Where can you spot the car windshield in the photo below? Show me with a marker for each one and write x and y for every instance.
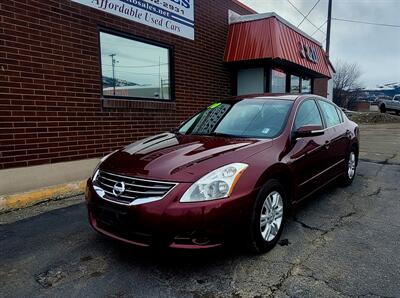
(250, 118)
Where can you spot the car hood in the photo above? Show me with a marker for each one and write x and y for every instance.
(180, 158)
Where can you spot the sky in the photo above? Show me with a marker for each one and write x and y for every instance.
(376, 49)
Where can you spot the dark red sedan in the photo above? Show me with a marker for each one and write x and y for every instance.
(234, 168)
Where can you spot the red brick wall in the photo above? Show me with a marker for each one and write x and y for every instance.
(321, 87)
(50, 104)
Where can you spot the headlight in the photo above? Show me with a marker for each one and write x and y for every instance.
(216, 185)
(96, 169)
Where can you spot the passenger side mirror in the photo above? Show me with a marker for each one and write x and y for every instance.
(309, 131)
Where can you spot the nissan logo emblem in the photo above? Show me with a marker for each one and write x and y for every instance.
(118, 188)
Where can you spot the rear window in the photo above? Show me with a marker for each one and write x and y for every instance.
(340, 113)
(330, 114)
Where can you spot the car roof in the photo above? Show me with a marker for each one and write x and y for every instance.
(283, 96)
(280, 96)
(269, 96)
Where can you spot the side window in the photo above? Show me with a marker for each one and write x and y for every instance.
(185, 127)
(308, 114)
(340, 113)
(330, 114)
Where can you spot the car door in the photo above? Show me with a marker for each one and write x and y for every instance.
(396, 102)
(308, 156)
(389, 103)
(340, 138)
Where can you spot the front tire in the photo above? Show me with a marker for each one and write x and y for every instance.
(351, 167)
(268, 217)
(382, 108)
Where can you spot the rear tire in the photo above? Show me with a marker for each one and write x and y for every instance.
(382, 108)
(351, 167)
(268, 217)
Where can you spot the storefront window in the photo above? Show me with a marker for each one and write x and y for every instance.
(278, 81)
(306, 86)
(294, 84)
(250, 81)
(134, 69)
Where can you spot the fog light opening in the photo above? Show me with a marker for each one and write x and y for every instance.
(201, 241)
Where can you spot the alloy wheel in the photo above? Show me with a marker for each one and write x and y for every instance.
(351, 168)
(271, 216)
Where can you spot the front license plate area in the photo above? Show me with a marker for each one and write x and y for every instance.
(111, 217)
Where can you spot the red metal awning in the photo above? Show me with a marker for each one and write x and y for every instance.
(272, 38)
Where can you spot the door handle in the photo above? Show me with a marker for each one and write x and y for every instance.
(327, 143)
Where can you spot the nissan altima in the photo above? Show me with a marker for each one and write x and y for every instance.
(231, 171)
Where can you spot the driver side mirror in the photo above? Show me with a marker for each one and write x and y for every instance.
(309, 131)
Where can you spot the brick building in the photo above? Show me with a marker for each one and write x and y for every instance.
(80, 78)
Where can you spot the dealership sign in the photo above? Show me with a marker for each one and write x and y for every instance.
(173, 16)
(308, 52)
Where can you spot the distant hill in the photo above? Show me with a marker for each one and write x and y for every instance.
(109, 82)
(388, 89)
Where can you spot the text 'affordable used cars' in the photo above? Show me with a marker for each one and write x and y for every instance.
(232, 171)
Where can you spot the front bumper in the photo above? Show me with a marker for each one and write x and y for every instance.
(168, 222)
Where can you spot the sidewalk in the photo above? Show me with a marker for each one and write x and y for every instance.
(23, 187)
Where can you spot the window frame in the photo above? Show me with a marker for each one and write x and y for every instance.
(171, 57)
(302, 78)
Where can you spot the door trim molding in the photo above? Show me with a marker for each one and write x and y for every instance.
(320, 173)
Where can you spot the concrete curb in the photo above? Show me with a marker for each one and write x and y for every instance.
(30, 198)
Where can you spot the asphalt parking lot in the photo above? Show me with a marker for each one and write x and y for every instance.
(380, 143)
(345, 242)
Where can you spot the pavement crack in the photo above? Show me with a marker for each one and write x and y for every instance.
(278, 286)
(326, 283)
(381, 162)
(371, 294)
(306, 226)
(347, 215)
(337, 224)
(376, 192)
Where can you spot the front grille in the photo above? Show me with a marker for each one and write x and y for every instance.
(135, 188)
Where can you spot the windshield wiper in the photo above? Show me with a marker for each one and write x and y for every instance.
(220, 134)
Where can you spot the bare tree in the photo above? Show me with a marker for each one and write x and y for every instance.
(345, 80)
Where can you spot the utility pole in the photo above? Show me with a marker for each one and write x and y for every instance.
(113, 70)
(328, 30)
(159, 78)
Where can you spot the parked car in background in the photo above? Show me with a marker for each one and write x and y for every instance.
(233, 170)
(393, 104)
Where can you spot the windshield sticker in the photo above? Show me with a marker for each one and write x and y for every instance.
(265, 131)
(210, 118)
(214, 105)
